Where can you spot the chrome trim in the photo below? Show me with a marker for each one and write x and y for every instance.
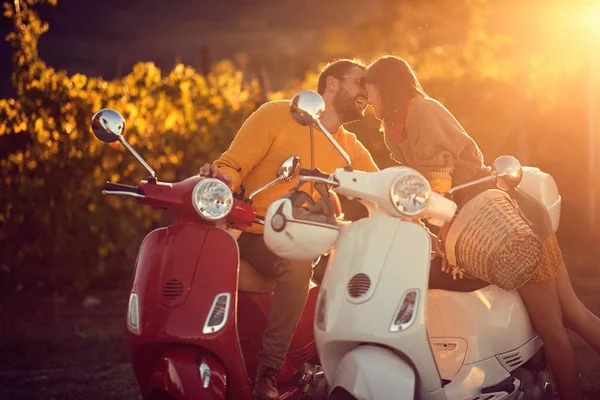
(197, 189)
(260, 189)
(137, 156)
(334, 142)
(134, 302)
(204, 374)
(472, 183)
(212, 329)
(285, 173)
(331, 181)
(119, 193)
(401, 175)
(396, 328)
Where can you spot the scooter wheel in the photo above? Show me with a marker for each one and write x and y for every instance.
(340, 394)
(535, 385)
(545, 384)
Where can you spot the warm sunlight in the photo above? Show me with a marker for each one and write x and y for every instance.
(581, 22)
(590, 18)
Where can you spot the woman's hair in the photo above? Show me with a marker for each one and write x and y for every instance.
(397, 85)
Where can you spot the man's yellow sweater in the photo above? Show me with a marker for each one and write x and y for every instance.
(269, 136)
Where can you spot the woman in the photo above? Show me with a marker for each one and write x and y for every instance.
(421, 133)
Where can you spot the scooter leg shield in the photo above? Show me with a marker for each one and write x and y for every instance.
(186, 373)
(370, 372)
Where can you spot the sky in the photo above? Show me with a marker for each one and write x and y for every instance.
(109, 36)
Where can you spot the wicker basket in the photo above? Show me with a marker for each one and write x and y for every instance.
(490, 240)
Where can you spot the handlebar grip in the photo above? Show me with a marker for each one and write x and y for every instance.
(117, 187)
(313, 172)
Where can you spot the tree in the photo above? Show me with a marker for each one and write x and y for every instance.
(55, 222)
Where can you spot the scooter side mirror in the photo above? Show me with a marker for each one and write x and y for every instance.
(306, 108)
(508, 171)
(289, 169)
(286, 172)
(108, 126)
(506, 174)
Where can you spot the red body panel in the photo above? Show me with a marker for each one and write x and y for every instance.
(176, 372)
(175, 253)
(177, 199)
(179, 271)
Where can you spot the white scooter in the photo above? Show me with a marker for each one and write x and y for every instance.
(380, 333)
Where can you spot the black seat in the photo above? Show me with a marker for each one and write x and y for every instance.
(444, 281)
(437, 278)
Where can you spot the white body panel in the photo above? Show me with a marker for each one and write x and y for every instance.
(459, 334)
(374, 191)
(470, 340)
(370, 372)
(488, 321)
(396, 259)
(468, 383)
(542, 186)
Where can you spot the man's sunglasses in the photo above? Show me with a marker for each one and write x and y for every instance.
(361, 80)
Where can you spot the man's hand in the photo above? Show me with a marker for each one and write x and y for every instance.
(212, 171)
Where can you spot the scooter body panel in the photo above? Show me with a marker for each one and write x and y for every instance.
(179, 273)
(394, 256)
(462, 338)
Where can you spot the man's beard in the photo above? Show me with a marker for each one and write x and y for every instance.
(346, 108)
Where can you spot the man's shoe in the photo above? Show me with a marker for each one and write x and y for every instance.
(265, 384)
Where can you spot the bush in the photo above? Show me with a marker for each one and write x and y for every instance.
(55, 222)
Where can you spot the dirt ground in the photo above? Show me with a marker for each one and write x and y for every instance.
(66, 347)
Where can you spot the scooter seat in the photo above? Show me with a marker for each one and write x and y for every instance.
(250, 280)
(444, 281)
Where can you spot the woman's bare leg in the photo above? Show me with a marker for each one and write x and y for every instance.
(577, 317)
(541, 300)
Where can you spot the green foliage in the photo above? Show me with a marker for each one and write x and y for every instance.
(512, 97)
(53, 215)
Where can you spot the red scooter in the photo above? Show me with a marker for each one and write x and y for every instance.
(196, 315)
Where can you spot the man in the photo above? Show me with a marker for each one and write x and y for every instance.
(269, 136)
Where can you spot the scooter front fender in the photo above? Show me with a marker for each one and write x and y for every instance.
(188, 373)
(371, 372)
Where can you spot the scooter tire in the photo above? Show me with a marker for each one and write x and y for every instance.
(340, 394)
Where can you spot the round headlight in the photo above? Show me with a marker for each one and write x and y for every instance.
(410, 193)
(212, 199)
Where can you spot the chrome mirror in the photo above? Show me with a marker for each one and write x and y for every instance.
(508, 171)
(286, 172)
(108, 126)
(306, 108)
(506, 174)
(289, 169)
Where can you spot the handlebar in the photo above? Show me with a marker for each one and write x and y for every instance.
(313, 172)
(122, 190)
(314, 175)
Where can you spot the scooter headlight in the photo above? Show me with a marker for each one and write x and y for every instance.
(410, 193)
(212, 199)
